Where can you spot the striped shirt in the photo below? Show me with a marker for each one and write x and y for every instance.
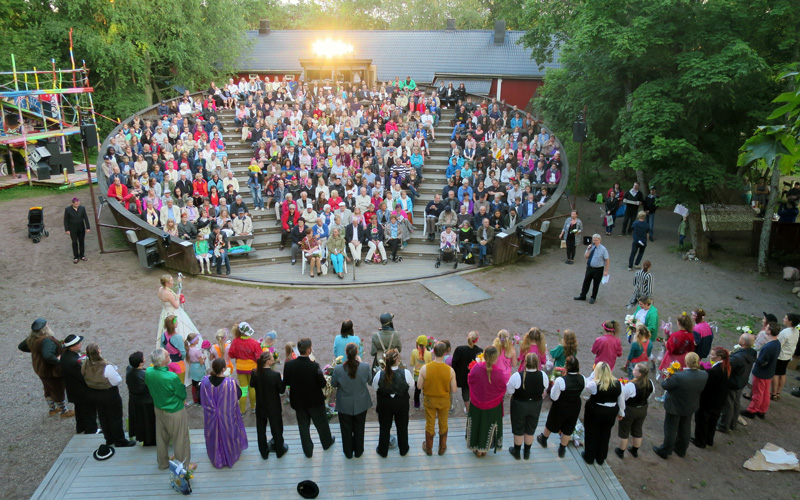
(642, 284)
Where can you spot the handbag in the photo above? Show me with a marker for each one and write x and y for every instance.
(563, 244)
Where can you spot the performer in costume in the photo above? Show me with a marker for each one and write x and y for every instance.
(170, 306)
(223, 424)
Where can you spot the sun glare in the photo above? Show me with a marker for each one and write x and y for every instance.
(328, 47)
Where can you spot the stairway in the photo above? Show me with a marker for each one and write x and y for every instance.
(267, 233)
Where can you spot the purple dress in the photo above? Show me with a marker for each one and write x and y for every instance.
(224, 427)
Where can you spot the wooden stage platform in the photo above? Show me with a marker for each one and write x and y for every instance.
(132, 472)
(77, 179)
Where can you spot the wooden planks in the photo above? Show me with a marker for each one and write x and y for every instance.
(132, 472)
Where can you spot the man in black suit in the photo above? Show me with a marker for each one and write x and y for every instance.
(76, 225)
(305, 379)
(269, 386)
(680, 403)
(355, 236)
(77, 390)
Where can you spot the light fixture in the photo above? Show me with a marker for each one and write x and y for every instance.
(329, 48)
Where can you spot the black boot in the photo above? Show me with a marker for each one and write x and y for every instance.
(541, 440)
(514, 450)
(526, 454)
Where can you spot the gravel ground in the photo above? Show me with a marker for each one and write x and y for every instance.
(112, 301)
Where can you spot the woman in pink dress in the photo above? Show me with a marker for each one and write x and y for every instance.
(680, 343)
(607, 347)
(507, 358)
(532, 342)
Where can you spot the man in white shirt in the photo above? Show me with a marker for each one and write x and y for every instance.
(230, 179)
(363, 200)
(243, 226)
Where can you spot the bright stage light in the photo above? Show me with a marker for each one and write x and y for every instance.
(331, 48)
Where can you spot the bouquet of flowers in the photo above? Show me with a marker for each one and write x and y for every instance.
(672, 369)
(630, 321)
(558, 371)
(623, 381)
(666, 330)
(705, 365)
(431, 342)
(478, 359)
(516, 339)
(744, 329)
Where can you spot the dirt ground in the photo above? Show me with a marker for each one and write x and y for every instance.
(112, 301)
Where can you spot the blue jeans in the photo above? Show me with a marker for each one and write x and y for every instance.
(651, 220)
(223, 258)
(337, 260)
(258, 200)
(458, 125)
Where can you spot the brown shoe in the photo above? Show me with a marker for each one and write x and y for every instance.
(53, 412)
(442, 443)
(67, 414)
(427, 445)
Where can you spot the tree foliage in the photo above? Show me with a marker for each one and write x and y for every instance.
(136, 51)
(671, 86)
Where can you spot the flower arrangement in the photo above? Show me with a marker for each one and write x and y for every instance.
(558, 371)
(431, 342)
(623, 381)
(744, 329)
(666, 330)
(630, 321)
(478, 359)
(516, 339)
(672, 369)
(705, 365)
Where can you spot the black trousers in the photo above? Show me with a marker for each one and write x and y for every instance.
(417, 393)
(598, 421)
(276, 429)
(630, 217)
(677, 429)
(284, 237)
(592, 274)
(352, 427)
(85, 417)
(729, 415)
(705, 425)
(320, 419)
(77, 243)
(636, 248)
(571, 247)
(397, 410)
(393, 244)
(109, 412)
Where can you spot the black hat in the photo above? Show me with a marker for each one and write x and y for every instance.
(448, 208)
(386, 318)
(38, 324)
(72, 339)
(768, 316)
(308, 489)
(104, 452)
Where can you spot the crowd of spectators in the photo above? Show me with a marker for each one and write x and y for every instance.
(345, 154)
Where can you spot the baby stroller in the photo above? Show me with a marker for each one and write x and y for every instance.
(36, 224)
(447, 255)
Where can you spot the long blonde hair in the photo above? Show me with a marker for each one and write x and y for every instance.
(603, 376)
(534, 336)
(642, 334)
(570, 343)
(503, 342)
(490, 356)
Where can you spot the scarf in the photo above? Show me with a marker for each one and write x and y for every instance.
(483, 394)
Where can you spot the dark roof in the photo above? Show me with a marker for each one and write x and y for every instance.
(397, 53)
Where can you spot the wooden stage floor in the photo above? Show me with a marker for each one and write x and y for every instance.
(132, 472)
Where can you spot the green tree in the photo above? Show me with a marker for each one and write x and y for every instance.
(671, 85)
(136, 51)
(778, 148)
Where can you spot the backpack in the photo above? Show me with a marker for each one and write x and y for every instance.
(379, 356)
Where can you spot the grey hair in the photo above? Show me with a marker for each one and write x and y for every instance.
(159, 357)
(595, 235)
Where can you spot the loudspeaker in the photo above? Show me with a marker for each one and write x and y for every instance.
(89, 135)
(579, 132)
(43, 171)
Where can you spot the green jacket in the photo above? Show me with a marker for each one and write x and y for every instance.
(650, 320)
(166, 388)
